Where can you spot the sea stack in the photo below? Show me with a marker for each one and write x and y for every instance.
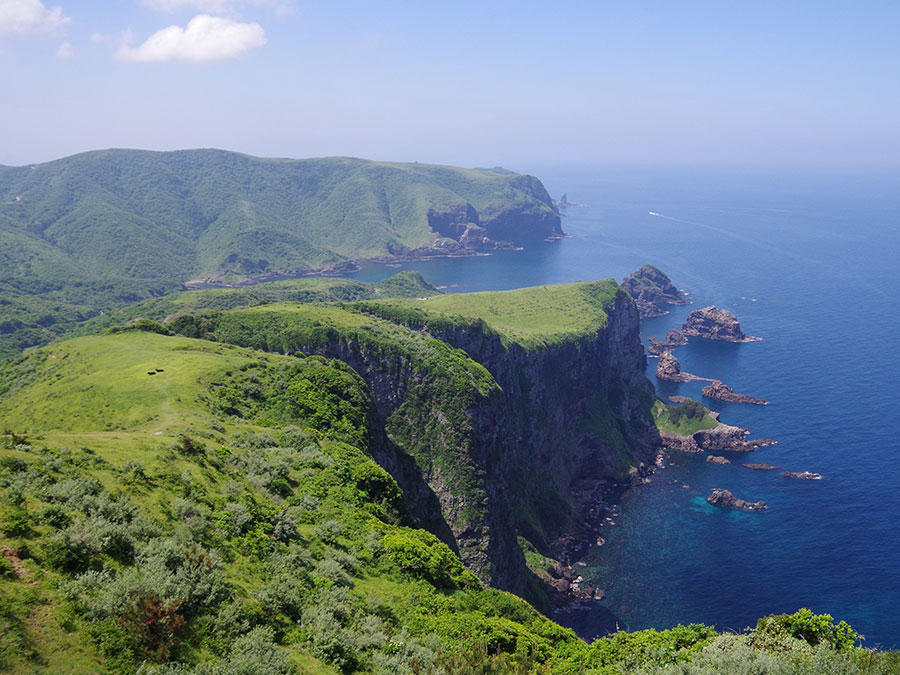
(651, 288)
(721, 391)
(719, 497)
(713, 323)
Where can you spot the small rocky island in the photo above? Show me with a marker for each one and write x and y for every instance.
(806, 475)
(651, 288)
(674, 338)
(669, 368)
(713, 323)
(719, 497)
(722, 392)
(760, 467)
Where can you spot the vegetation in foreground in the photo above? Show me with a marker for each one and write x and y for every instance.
(224, 515)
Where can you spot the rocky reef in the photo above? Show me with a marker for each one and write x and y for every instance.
(724, 498)
(651, 289)
(713, 323)
(805, 475)
(760, 467)
(721, 391)
(669, 368)
(717, 459)
(674, 338)
(722, 437)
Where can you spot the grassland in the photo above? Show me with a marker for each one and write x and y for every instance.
(684, 419)
(531, 317)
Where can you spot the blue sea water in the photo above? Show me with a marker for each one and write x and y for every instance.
(809, 260)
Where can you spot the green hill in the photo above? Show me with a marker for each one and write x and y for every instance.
(153, 523)
(102, 229)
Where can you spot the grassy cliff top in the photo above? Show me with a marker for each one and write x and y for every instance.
(530, 317)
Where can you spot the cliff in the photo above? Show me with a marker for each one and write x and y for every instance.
(493, 432)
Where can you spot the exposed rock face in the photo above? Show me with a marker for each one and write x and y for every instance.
(713, 323)
(721, 438)
(719, 497)
(717, 459)
(651, 288)
(806, 475)
(565, 421)
(674, 338)
(721, 391)
(761, 467)
(669, 369)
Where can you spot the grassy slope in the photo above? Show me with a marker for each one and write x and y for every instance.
(30, 320)
(342, 586)
(685, 426)
(531, 317)
(102, 229)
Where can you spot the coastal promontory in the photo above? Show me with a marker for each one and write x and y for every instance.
(713, 323)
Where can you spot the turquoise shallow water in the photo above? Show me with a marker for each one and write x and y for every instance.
(807, 260)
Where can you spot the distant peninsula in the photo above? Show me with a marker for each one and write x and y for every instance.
(98, 230)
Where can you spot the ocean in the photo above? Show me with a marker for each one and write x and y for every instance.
(809, 260)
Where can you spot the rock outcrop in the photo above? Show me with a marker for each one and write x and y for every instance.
(719, 497)
(674, 338)
(717, 459)
(761, 467)
(806, 475)
(713, 323)
(721, 391)
(721, 438)
(669, 369)
(651, 288)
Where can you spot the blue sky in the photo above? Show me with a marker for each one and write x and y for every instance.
(517, 84)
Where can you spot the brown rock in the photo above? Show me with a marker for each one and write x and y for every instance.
(761, 467)
(721, 391)
(717, 459)
(724, 498)
(651, 288)
(806, 475)
(713, 323)
(669, 369)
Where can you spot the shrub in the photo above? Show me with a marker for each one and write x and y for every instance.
(53, 515)
(153, 624)
(14, 521)
(804, 625)
(423, 555)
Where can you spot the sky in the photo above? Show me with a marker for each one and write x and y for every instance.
(475, 83)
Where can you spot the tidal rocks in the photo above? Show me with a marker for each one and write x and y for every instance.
(761, 467)
(721, 438)
(669, 369)
(719, 497)
(717, 459)
(651, 288)
(713, 323)
(806, 475)
(674, 338)
(721, 391)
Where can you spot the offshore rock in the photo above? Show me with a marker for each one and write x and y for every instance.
(717, 459)
(669, 369)
(721, 391)
(721, 438)
(651, 288)
(761, 467)
(806, 475)
(674, 338)
(713, 323)
(719, 497)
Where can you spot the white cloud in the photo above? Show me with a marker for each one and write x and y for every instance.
(30, 16)
(65, 51)
(205, 39)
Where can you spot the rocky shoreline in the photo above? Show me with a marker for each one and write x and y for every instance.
(722, 392)
(724, 498)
